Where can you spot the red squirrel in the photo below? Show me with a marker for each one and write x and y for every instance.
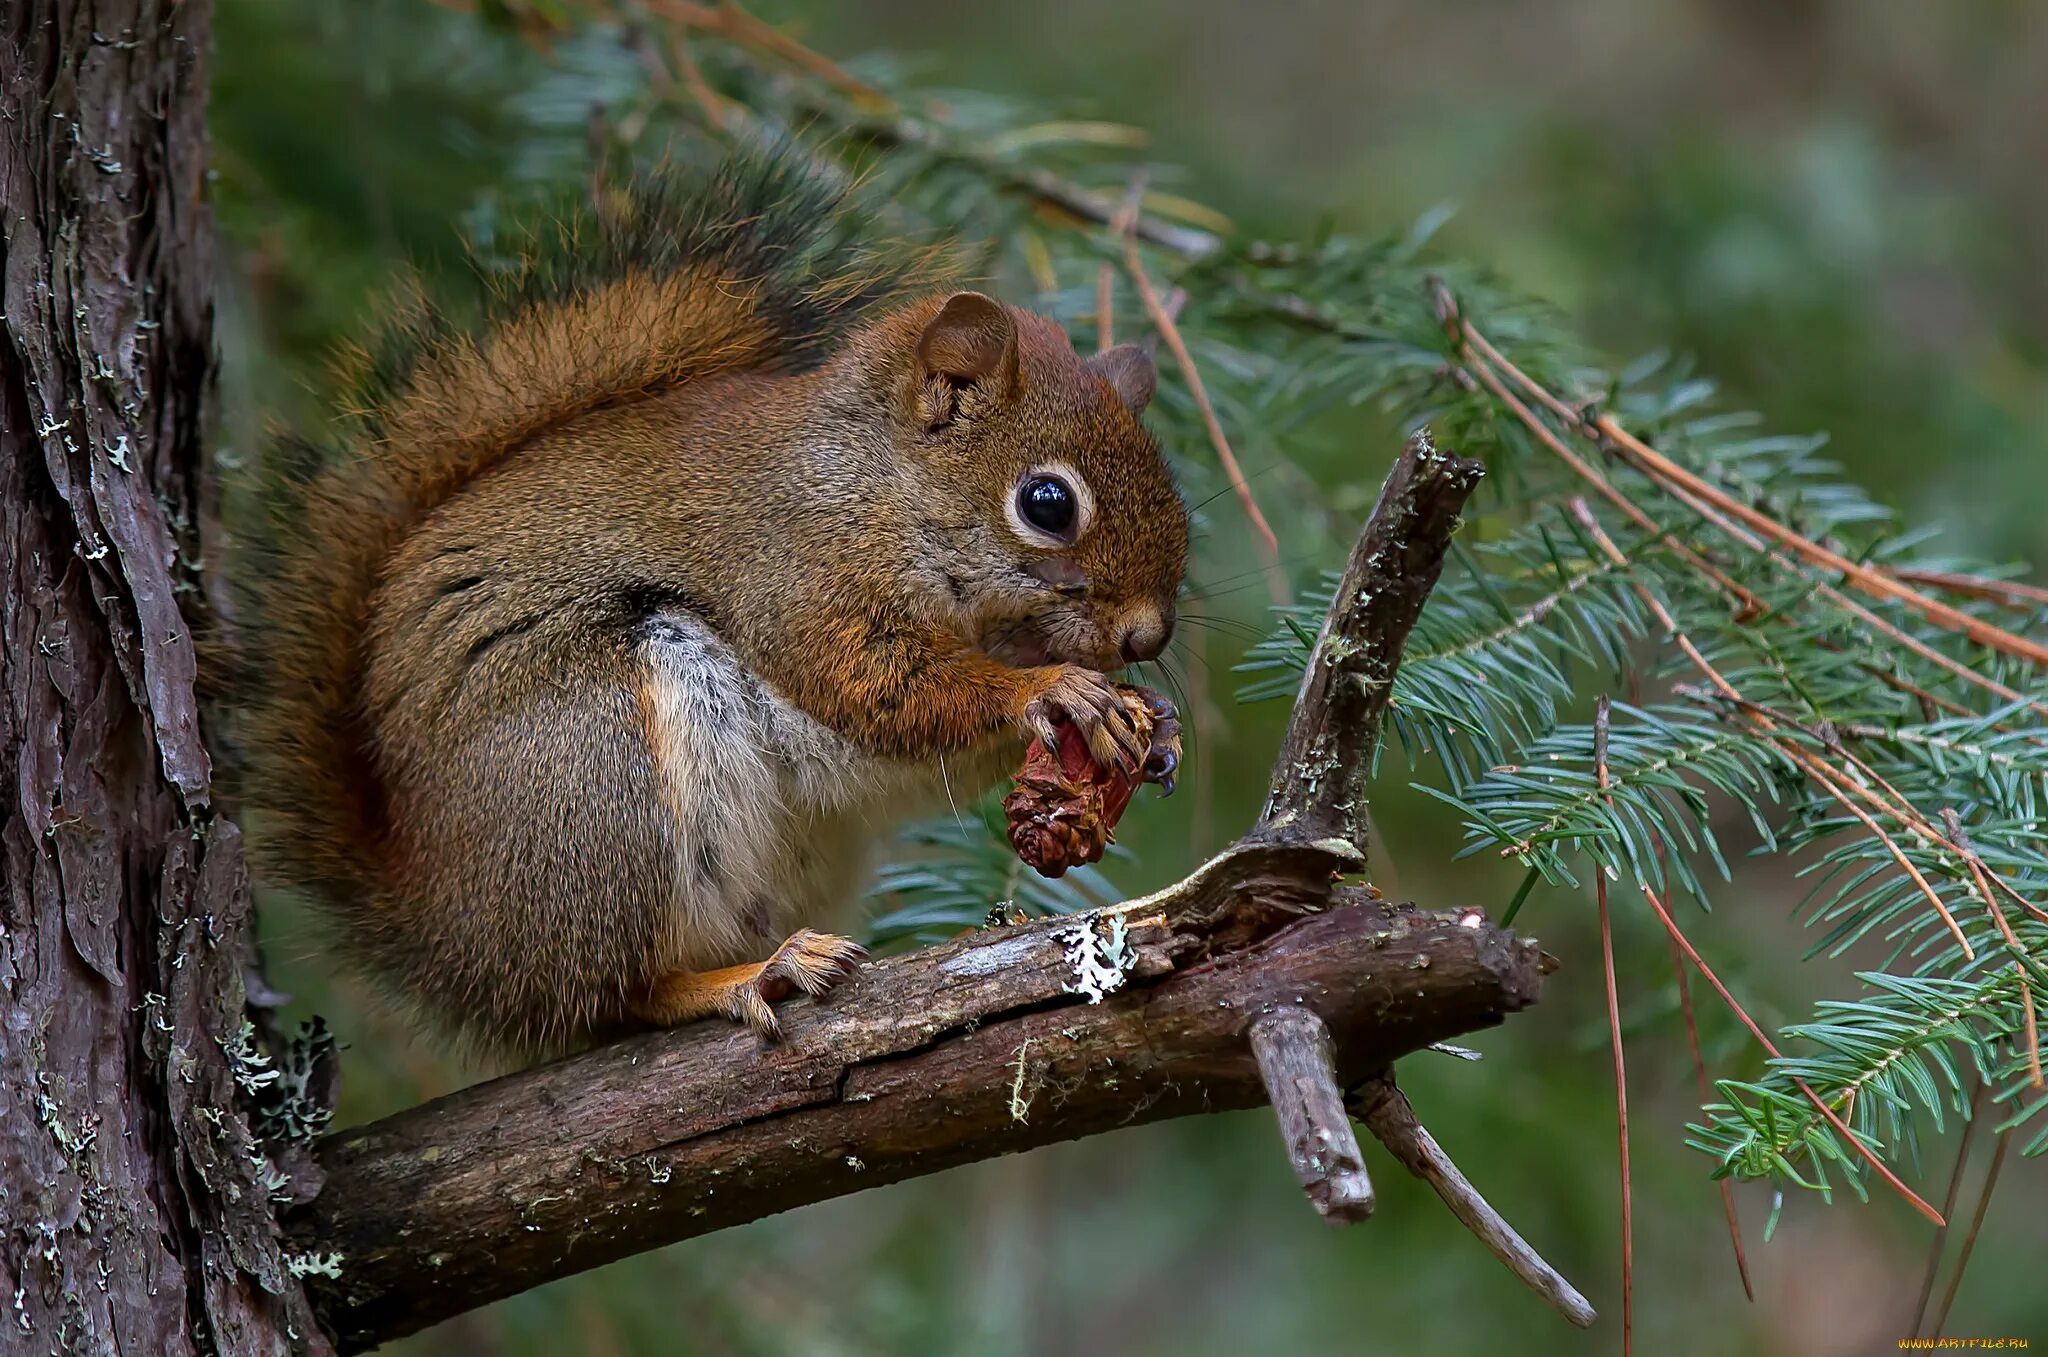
(629, 614)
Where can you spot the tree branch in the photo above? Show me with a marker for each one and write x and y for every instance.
(1385, 1111)
(1257, 979)
(1299, 1071)
(1318, 788)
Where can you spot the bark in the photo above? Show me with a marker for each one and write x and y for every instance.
(135, 1201)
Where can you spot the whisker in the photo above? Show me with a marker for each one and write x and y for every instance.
(1250, 476)
(1181, 702)
(1230, 628)
(1207, 666)
(1195, 589)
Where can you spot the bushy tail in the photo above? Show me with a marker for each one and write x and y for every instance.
(756, 266)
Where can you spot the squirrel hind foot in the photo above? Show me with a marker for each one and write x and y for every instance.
(808, 962)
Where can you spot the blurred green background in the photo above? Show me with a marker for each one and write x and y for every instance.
(1832, 207)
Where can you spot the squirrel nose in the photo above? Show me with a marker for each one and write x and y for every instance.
(1144, 637)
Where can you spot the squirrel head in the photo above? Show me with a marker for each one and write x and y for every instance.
(1064, 539)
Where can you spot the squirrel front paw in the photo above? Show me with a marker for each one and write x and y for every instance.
(1087, 701)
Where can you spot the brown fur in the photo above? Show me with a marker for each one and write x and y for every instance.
(606, 661)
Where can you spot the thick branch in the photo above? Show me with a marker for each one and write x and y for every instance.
(960, 1052)
(1318, 788)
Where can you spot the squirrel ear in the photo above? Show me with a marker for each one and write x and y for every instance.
(971, 342)
(1130, 373)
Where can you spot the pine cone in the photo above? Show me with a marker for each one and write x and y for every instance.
(1064, 808)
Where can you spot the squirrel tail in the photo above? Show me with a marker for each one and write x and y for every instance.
(760, 265)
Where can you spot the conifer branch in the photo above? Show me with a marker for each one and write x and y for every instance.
(1877, 1164)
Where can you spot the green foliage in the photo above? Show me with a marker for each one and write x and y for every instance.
(1551, 615)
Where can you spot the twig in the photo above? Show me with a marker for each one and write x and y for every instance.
(1893, 803)
(1842, 790)
(1163, 320)
(1123, 224)
(1480, 355)
(1463, 336)
(1047, 188)
(2026, 598)
(1697, 489)
(1628, 1249)
(1105, 307)
(1699, 1070)
(692, 75)
(1770, 1047)
(1292, 1047)
(2032, 1027)
(1844, 794)
(1870, 581)
(1959, 842)
(1955, 1278)
(727, 20)
(1386, 1113)
(1948, 1207)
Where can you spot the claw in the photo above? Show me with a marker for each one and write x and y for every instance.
(1086, 701)
(809, 962)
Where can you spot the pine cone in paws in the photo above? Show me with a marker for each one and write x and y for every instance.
(1064, 808)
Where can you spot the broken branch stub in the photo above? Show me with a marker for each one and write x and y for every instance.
(1317, 803)
(1318, 785)
(1292, 1047)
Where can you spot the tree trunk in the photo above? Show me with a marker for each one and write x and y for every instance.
(137, 1203)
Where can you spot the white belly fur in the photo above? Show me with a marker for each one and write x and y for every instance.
(776, 818)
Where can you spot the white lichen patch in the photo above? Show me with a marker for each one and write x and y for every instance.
(314, 1264)
(247, 1061)
(1100, 957)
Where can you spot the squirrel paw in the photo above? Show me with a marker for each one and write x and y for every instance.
(1162, 760)
(1089, 702)
(808, 962)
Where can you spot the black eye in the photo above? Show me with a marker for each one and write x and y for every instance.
(1047, 503)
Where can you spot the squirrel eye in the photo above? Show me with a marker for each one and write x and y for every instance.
(1048, 504)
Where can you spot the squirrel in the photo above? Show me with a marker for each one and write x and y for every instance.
(634, 605)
